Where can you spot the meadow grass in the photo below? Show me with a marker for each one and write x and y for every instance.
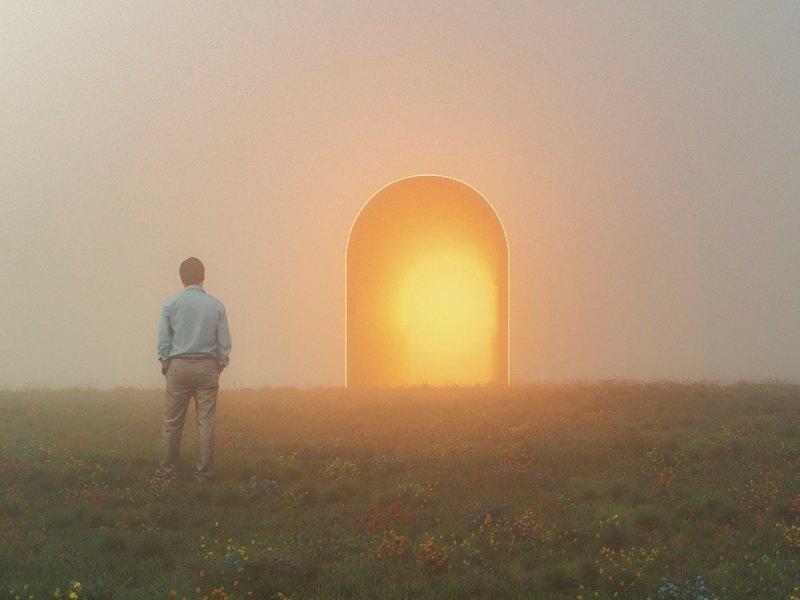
(608, 490)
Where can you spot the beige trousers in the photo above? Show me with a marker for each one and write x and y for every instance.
(187, 379)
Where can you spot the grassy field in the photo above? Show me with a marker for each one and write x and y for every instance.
(612, 490)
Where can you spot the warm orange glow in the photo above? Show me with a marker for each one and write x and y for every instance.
(427, 287)
(448, 308)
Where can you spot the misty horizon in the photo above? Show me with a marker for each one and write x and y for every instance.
(642, 158)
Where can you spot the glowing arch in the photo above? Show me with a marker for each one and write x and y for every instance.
(427, 287)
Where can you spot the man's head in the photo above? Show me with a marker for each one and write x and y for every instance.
(192, 271)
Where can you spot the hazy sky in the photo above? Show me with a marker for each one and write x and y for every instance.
(644, 157)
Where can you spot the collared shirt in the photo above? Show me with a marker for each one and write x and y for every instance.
(193, 322)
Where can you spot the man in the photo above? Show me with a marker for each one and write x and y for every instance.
(193, 346)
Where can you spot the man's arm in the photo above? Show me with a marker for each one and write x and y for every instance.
(164, 339)
(223, 340)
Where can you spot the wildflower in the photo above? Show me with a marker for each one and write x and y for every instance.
(340, 469)
(431, 557)
(791, 535)
(393, 545)
(258, 489)
(288, 460)
(73, 594)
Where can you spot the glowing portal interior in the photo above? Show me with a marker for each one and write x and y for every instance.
(427, 287)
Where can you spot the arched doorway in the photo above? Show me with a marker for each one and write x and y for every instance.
(427, 287)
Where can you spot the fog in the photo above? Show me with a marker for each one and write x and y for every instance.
(643, 158)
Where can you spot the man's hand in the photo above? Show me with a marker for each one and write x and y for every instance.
(221, 367)
(163, 370)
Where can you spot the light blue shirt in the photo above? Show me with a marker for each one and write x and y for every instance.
(193, 322)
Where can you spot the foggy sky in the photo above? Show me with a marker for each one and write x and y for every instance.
(644, 158)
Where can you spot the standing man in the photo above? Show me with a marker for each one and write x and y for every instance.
(193, 347)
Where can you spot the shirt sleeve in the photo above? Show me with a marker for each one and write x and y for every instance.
(223, 339)
(164, 336)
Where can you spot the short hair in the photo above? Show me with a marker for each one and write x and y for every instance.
(192, 271)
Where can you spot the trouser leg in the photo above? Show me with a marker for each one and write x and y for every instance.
(176, 404)
(206, 403)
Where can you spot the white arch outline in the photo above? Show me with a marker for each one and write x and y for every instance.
(508, 262)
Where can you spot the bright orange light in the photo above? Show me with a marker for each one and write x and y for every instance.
(448, 309)
(427, 287)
